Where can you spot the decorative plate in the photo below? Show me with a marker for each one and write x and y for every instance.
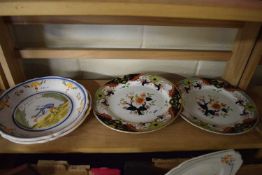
(218, 163)
(216, 106)
(62, 132)
(137, 103)
(41, 107)
(59, 134)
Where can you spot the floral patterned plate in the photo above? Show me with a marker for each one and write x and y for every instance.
(40, 108)
(216, 106)
(137, 103)
(218, 163)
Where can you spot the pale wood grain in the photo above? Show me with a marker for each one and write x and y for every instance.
(125, 54)
(9, 59)
(121, 20)
(93, 137)
(220, 10)
(252, 63)
(3, 81)
(245, 42)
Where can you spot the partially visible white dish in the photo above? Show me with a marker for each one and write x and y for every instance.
(218, 163)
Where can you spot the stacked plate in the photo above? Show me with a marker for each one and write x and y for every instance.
(43, 109)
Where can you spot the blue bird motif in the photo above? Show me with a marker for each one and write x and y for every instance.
(43, 109)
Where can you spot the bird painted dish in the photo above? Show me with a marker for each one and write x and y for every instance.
(137, 103)
(216, 106)
(59, 134)
(66, 130)
(223, 163)
(41, 107)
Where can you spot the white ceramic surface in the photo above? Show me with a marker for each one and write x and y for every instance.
(59, 134)
(39, 103)
(219, 163)
(216, 106)
(137, 103)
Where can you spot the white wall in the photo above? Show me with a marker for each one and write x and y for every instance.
(123, 36)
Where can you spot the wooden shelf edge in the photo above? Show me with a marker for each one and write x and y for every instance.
(120, 20)
(125, 54)
(216, 11)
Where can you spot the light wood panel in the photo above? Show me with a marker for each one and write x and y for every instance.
(120, 20)
(245, 41)
(239, 10)
(253, 61)
(125, 54)
(93, 137)
(3, 80)
(9, 59)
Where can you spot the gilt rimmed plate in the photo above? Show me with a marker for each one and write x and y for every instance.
(41, 107)
(216, 106)
(218, 163)
(137, 103)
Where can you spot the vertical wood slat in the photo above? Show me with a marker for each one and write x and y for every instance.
(245, 42)
(9, 59)
(3, 81)
(252, 64)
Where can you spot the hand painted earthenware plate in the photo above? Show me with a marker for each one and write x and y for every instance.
(216, 106)
(42, 107)
(60, 134)
(54, 136)
(219, 163)
(137, 103)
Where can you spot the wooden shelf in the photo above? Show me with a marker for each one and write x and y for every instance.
(93, 137)
(170, 54)
(238, 10)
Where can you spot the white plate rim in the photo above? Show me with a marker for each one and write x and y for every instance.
(142, 132)
(83, 89)
(217, 132)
